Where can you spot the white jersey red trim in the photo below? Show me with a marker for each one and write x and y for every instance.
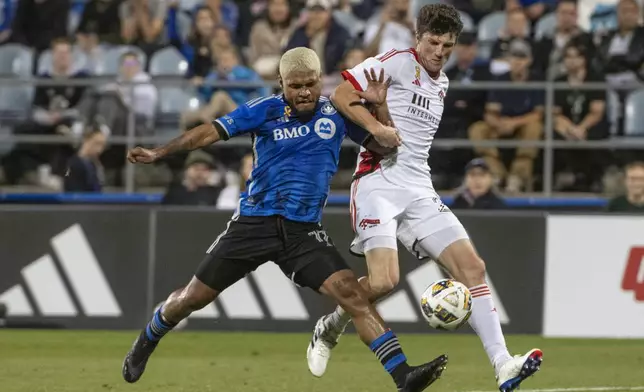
(415, 102)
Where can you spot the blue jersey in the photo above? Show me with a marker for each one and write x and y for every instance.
(294, 158)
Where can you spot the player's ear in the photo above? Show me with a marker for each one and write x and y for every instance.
(279, 78)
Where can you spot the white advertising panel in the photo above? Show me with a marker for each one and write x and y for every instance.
(594, 284)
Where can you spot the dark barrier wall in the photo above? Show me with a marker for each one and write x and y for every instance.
(82, 267)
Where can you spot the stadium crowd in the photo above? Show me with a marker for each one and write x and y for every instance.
(210, 42)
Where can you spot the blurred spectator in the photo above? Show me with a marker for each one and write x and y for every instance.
(142, 23)
(353, 57)
(621, 56)
(516, 114)
(37, 22)
(196, 48)
(392, 28)
(225, 13)
(323, 34)
(268, 38)
(196, 187)
(54, 111)
(462, 109)
(533, 9)
(633, 200)
(225, 100)
(249, 12)
(92, 51)
(111, 105)
(516, 26)
(229, 197)
(100, 23)
(6, 17)
(84, 170)
(136, 92)
(221, 42)
(579, 115)
(345, 15)
(478, 191)
(549, 50)
(477, 9)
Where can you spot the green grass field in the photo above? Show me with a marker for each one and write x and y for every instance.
(87, 361)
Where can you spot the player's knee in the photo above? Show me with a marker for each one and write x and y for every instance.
(472, 270)
(383, 285)
(192, 300)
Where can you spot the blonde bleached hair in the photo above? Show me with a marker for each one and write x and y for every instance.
(299, 60)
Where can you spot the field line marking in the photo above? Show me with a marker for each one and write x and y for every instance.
(581, 389)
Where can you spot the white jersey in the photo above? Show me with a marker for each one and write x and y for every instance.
(415, 102)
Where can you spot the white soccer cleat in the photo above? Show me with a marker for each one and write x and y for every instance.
(318, 352)
(517, 369)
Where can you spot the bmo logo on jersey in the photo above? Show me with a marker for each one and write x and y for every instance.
(291, 133)
(325, 128)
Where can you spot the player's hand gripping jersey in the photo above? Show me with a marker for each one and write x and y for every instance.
(294, 158)
(415, 102)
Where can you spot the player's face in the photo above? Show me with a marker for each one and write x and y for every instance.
(96, 144)
(302, 90)
(434, 51)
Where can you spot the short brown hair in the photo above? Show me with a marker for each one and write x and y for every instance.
(634, 165)
(60, 41)
(438, 19)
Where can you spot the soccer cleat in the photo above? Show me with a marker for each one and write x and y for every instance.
(318, 352)
(421, 377)
(517, 369)
(137, 358)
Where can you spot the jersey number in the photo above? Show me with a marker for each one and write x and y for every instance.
(321, 236)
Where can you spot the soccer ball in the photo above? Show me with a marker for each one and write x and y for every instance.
(446, 304)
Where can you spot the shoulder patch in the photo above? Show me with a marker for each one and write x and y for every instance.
(328, 109)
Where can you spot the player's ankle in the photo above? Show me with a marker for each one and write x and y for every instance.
(399, 374)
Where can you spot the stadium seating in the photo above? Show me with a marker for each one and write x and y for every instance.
(634, 121)
(16, 60)
(545, 26)
(468, 22)
(168, 62)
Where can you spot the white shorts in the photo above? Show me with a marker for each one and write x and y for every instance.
(382, 212)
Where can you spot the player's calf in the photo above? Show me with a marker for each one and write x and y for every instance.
(345, 289)
(178, 306)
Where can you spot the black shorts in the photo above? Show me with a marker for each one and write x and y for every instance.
(303, 251)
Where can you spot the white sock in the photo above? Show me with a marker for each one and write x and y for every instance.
(338, 320)
(485, 322)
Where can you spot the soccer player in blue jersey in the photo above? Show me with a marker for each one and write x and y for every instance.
(296, 141)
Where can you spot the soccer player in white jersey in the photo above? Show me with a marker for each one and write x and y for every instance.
(392, 197)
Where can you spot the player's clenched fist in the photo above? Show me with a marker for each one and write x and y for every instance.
(142, 155)
(386, 136)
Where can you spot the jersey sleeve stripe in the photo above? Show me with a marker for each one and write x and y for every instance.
(221, 128)
(257, 102)
(347, 76)
(392, 53)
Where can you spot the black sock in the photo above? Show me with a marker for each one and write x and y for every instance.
(390, 354)
(158, 327)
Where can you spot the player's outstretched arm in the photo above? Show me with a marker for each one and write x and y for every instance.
(349, 103)
(200, 136)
